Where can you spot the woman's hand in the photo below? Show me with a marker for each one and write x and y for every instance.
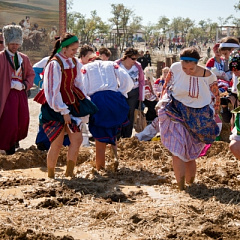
(67, 118)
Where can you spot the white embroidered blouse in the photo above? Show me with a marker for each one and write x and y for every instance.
(105, 75)
(190, 90)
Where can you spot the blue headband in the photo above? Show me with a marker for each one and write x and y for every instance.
(189, 59)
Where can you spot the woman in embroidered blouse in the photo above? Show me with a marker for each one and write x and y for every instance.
(129, 63)
(62, 89)
(107, 84)
(187, 120)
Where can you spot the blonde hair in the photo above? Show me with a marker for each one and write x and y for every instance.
(165, 68)
(149, 72)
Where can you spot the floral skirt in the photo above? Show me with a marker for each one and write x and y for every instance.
(199, 122)
(185, 131)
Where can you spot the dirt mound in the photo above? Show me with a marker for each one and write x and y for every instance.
(32, 157)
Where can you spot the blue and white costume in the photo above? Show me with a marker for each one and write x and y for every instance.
(107, 84)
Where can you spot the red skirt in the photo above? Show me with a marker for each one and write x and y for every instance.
(14, 121)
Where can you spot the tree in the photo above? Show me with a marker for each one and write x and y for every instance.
(213, 27)
(148, 31)
(120, 19)
(125, 23)
(69, 5)
(86, 29)
(194, 33)
(134, 26)
(237, 6)
(203, 24)
(175, 25)
(185, 25)
(236, 22)
(76, 23)
(163, 25)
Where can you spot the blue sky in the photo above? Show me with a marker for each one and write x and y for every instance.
(151, 10)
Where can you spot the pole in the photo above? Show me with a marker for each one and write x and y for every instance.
(62, 16)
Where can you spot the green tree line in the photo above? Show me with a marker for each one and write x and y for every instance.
(123, 23)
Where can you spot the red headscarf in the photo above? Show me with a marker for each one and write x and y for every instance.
(216, 46)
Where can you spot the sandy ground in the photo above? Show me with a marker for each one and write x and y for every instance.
(140, 201)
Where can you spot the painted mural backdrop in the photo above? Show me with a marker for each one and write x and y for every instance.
(39, 21)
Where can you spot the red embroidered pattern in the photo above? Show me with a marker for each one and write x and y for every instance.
(193, 87)
(116, 66)
(83, 70)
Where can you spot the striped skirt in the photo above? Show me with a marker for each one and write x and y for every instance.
(177, 139)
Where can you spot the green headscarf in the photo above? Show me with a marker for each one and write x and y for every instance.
(67, 43)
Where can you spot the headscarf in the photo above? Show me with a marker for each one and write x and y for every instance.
(67, 43)
(216, 47)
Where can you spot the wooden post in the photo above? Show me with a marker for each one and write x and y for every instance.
(160, 66)
(62, 16)
(174, 58)
(168, 62)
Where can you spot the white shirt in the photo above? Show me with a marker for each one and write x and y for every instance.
(105, 75)
(17, 74)
(42, 63)
(190, 90)
(52, 83)
(235, 82)
(133, 73)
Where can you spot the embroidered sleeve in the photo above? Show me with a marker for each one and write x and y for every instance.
(116, 66)
(52, 84)
(216, 98)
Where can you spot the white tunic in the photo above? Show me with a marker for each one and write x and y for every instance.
(105, 75)
(42, 63)
(52, 83)
(190, 90)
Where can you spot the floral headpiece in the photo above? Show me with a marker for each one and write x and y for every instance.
(234, 60)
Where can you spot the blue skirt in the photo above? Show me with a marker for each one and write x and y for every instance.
(111, 117)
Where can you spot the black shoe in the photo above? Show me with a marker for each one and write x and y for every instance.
(11, 151)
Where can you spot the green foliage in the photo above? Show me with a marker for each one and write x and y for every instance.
(237, 6)
(87, 29)
(149, 29)
(124, 24)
